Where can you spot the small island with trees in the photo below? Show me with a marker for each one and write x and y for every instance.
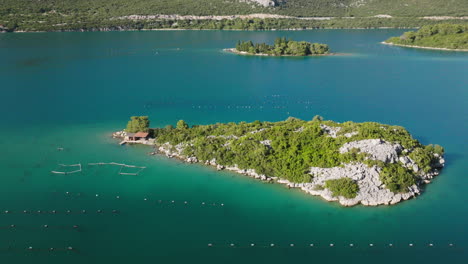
(352, 163)
(281, 47)
(441, 36)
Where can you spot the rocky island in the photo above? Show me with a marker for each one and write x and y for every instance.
(281, 47)
(352, 163)
(440, 37)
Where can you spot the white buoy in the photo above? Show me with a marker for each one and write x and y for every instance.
(450, 245)
(291, 245)
(210, 245)
(252, 245)
(145, 199)
(70, 248)
(331, 245)
(411, 244)
(97, 195)
(371, 245)
(231, 245)
(390, 245)
(431, 245)
(351, 245)
(30, 248)
(311, 245)
(46, 226)
(118, 197)
(272, 245)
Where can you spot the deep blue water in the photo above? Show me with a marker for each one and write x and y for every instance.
(72, 90)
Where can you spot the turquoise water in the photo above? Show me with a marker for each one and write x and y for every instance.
(71, 90)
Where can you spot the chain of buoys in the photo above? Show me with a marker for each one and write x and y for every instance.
(147, 199)
(53, 212)
(46, 227)
(330, 245)
(38, 249)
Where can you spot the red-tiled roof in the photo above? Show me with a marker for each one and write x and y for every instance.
(141, 134)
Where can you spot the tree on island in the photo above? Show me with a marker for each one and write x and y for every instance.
(138, 124)
(283, 46)
(182, 125)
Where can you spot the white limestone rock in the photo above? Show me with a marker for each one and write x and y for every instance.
(377, 149)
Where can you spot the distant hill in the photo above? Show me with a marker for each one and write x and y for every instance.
(61, 14)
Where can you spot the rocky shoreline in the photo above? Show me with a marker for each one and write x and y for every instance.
(235, 51)
(372, 192)
(421, 47)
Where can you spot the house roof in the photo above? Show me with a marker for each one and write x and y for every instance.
(141, 134)
(130, 134)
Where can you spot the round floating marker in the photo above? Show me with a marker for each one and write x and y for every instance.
(311, 245)
(371, 245)
(51, 249)
(210, 245)
(450, 245)
(68, 211)
(351, 245)
(252, 245)
(83, 211)
(411, 244)
(431, 245)
(185, 202)
(272, 245)
(222, 204)
(30, 248)
(67, 192)
(12, 226)
(39, 211)
(6, 212)
(231, 245)
(46, 226)
(203, 203)
(390, 245)
(114, 211)
(331, 245)
(172, 201)
(159, 201)
(291, 245)
(145, 199)
(118, 197)
(54, 212)
(75, 226)
(97, 195)
(70, 248)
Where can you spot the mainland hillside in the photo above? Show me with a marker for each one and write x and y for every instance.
(50, 15)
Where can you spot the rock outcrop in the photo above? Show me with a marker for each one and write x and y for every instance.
(376, 148)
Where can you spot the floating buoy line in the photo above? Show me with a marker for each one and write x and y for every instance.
(67, 212)
(329, 245)
(45, 227)
(144, 199)
(78, 168)
(38, 249)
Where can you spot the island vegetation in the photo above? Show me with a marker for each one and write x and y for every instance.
(282, 47)
(441, 36)
(289, 149)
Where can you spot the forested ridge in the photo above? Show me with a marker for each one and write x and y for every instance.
(55, 15)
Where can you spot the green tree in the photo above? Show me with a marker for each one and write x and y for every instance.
(137, 124)
(182, 125)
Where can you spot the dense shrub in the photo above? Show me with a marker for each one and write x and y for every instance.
(345, 187)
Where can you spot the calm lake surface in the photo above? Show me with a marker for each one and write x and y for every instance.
(72, 90)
